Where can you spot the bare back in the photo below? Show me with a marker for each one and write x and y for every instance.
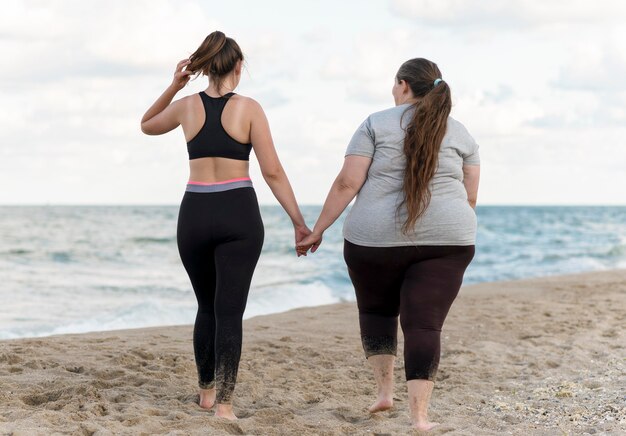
(236, 121)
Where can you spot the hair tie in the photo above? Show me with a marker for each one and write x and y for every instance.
(436, 82)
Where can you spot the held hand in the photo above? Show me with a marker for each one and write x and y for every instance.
(301, 232)
(181, 77)
(312, 242)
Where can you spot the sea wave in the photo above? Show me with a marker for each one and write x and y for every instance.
(76, 269)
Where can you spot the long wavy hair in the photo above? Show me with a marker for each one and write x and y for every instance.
(424, 134)
(216, 57)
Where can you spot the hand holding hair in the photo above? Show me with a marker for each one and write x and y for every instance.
(181, 78)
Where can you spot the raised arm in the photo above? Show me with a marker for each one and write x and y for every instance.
(272, 170)
(345, 187)
(471, 177)
(162, 116)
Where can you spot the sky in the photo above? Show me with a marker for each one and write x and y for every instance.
(540, 85)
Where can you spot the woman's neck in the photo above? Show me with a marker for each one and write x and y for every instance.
(228, 85)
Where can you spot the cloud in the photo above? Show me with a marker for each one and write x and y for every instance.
(371, 92)
(271, 98)
(590, 89)
(48, 41)
(503, 15)
(334, 67)
(594, 68)
(595, 115)
(80, 74)
(367, 70)
(498, 94)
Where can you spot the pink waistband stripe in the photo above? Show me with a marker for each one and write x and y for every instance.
(241, 179)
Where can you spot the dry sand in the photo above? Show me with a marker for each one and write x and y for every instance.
(533, 357)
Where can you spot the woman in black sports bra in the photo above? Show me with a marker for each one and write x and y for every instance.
(220, 231)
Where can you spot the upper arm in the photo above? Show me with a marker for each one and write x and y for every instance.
(363, 140)
(166, 120)
(354, 172)
(261, 139)
(358, 157)
(471, 163)
(471, 155)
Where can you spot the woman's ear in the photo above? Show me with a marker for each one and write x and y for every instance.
(404, 86)
(238, 67)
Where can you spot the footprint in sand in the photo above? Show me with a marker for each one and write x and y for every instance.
(312, 398)
(229, 427)
(349, 416)
(42, 398)
(109, 374)
(143, 354)
(189, 398)
(10, 358)
(609, 333)
(75, 369)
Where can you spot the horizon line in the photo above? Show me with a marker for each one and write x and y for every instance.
(300, 204)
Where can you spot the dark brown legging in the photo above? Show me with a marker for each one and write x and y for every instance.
(418, 283)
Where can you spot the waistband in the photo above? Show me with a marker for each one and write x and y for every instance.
(226, 185)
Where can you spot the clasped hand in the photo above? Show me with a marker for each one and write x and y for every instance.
(307, 240)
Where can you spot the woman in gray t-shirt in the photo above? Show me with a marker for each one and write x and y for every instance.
(411, 232)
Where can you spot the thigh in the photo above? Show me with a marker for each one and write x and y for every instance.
(431, 284)
(235, 261)
(376, 273)
(196, 250)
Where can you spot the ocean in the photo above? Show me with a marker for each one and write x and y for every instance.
(74, 269)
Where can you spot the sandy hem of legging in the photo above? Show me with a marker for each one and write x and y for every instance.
(540, 356)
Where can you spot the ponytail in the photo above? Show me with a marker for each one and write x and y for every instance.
(216, 57)
(424, 134)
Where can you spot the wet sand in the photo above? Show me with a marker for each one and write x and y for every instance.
(534, 357)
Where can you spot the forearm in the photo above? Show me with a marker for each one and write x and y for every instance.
(471, 178)
(471, 194)
(339, 196)
(281, 188)
(161, 103)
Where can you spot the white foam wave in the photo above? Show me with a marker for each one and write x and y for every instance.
(282, 298)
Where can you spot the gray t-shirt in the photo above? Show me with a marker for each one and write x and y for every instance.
(374, 219)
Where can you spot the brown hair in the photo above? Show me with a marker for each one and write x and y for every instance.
(424, 133)
(216, 57)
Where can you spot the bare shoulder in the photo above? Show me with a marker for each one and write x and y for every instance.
(187, 102)
(247, 104)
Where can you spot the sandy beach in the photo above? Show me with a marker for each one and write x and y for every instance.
(541, 356)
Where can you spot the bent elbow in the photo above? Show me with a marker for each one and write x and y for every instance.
(272, 175)
(345, 184)
(145, 130)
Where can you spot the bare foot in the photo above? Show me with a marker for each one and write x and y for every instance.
(382, 403)
(207, 398)
(424, 425)
(225, 411)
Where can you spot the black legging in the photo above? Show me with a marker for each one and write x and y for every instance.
(419, 283)
(220, 236)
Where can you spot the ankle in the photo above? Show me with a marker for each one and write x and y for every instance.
(420, 418)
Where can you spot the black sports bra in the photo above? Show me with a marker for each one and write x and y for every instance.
(212, 140)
